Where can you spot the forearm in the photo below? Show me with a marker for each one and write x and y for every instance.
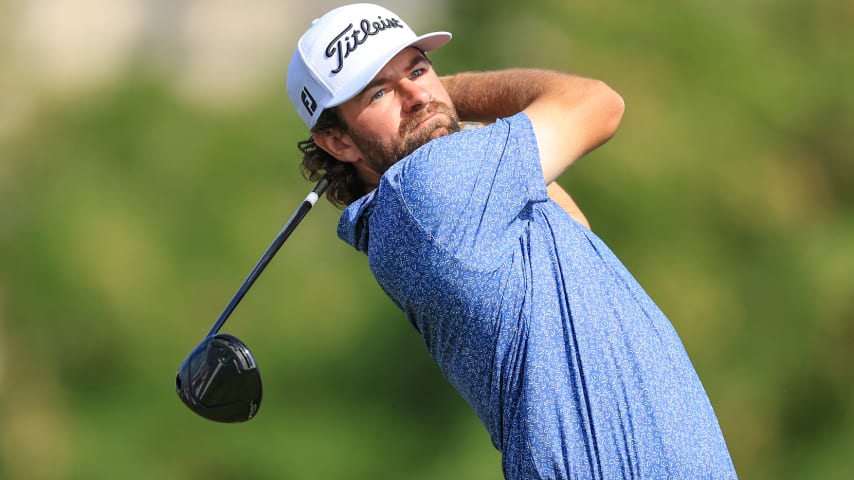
(485, 96)
(562, 198)
(570, 115)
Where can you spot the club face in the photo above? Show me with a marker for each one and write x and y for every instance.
(220, 380)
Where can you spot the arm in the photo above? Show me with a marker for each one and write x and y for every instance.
(571, 115)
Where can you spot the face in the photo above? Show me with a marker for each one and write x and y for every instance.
(404, 107)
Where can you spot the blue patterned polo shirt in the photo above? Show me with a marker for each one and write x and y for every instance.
(569, 364)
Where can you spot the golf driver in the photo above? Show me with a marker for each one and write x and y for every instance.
(219, 379)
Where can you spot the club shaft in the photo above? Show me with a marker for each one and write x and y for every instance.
(274, 247)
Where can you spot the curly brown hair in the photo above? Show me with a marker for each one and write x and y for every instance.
(345, 186)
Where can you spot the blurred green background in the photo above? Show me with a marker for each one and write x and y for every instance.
(147, 159)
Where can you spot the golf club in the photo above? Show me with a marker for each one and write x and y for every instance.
(219, 379)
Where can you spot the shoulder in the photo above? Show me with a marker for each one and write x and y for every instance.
(466, 187)
(461, 156)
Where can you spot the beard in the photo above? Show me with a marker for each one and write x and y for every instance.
(381, 155)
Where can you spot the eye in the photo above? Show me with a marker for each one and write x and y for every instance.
(380, 94)
(417, 73)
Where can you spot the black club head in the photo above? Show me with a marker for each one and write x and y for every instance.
(220, 380)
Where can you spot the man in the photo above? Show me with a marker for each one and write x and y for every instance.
(569, 364)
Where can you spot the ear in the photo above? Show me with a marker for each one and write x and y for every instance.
(338, 144)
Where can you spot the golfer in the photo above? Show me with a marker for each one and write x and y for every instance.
(572, 368)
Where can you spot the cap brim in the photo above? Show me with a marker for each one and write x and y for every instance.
(426, 43)
(431, 41)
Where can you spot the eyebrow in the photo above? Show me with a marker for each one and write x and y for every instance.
(421, 57)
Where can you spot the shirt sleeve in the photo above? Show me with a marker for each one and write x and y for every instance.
(472, 190)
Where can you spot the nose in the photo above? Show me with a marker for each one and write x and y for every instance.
(414, 95)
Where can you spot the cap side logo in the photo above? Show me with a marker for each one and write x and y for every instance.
(343, 44)
(308, 101)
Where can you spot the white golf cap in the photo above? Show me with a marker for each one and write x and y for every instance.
(343, 51)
